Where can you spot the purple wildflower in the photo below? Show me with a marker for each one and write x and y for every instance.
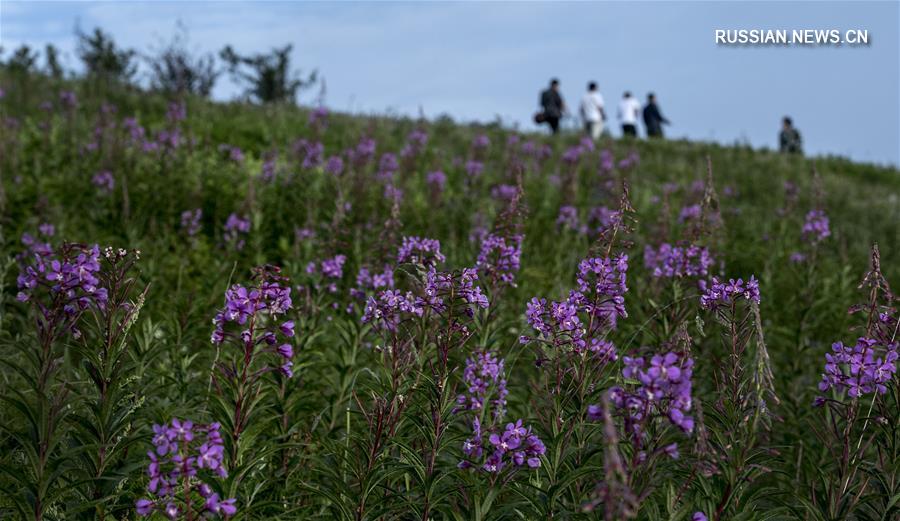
(318, 117)
(70, 279)
(236, 229)
(690, 213)
(177, 111)
(420, 250)
(104, 181)
(181, 451)
(390, 308)
(864, 368)
(504, 191)
(484, 379)
(190, 221)
(815, 228)
(481, 142)
(437, 179)
(474, 168)
(68, 99)
(334, 165)
(498, 260)
(261, 310)
(677, 261)
(663, 390)
(568, 218)
(516, 446)
(717, 294)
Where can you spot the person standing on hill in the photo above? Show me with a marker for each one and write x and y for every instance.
(629, 111)
(592, 111)
(552, 106)
(789, 141)
(653, 118)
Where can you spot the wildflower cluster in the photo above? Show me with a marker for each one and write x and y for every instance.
(601, 288)
(68, 278)
(260, 310)
(474, 168)
(190, 221)
(484, 380)
(677, 261)
(331, 270)
(437, 180)
(443, 289)
(104, 181)
(334, 165)
(37, 245)
(690, 213)
(419, 250)
(415, 143)
(601, 219)
(390, 308)
(600, 297)
(662, 390)
(232, 153)
(181, 452)
(318, 117)
(719, 294)
(367, 279)
(499, 258)
(864, 368)
(516, 446)
(568, 218)
(236, 229)
(815, 227)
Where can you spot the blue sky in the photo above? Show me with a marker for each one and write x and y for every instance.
(480, 60)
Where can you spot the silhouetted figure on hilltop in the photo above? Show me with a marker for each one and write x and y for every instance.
(552, 106)
(789, 141)
(629, 112)
(653, 118)
(592, 111)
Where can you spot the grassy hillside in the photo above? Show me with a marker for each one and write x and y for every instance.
(368, 427)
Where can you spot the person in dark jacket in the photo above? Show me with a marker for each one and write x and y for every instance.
(653, 118)
(552, 105)
(789, 141)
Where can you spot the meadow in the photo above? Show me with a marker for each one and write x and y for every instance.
(224, 310)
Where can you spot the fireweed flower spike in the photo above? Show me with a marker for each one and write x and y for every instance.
(514, 446)
(444, 289)
(236, 229)
(717, 294)
(420, 250)
(70, 278)
(582, 321)
(815, 228)
(261, 310)
(104, 181)
(509, 447)
(183, 457)
(862, 369)
(498, 260)
(254, 322)
(390, 308)
(190, 221)
(661, 392)
(677, 261)
(484, 379)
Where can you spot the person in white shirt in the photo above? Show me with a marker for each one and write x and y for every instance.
(592, 111)
(629, 112)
